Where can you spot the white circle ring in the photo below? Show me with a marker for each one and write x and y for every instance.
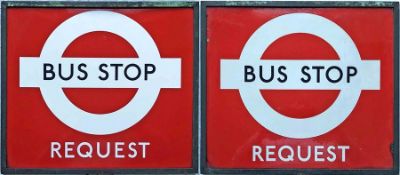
(320, 123)
(59, 104)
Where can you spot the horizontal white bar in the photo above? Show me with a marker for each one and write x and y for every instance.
(166, 75)
(233, 76)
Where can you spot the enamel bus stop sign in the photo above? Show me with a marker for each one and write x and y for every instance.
(99, 89)
(310, 90)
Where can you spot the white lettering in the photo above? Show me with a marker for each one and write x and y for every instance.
(308, 153)
(257, 153)
(55, 148)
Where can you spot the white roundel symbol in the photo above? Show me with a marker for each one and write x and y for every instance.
(57, 101)
(261, 111)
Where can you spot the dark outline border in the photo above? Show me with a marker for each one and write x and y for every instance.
(205, 169)
(100, 4)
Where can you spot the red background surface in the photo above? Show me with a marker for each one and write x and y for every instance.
(31, 126)
(231, 131)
